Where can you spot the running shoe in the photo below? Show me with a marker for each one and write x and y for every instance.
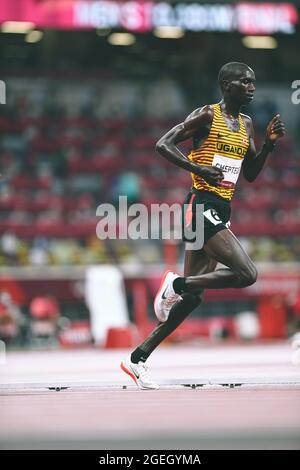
(166, 296)
(139, 373)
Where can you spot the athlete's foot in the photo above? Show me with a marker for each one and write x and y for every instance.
(139, 373)
(166, 297)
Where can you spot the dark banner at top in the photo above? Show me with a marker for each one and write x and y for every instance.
(143, 16)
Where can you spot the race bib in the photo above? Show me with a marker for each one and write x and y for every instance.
(231, 168)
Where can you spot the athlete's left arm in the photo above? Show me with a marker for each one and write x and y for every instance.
(254, 162)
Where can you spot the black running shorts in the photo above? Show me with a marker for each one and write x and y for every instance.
(216, 214)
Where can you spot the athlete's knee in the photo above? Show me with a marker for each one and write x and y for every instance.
(248, 275)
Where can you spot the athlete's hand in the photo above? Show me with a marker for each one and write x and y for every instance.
(211, 174)
(275, 129)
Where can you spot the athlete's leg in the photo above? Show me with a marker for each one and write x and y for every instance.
(196, 262)
(225, 248)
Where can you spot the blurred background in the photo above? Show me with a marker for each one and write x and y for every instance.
(90, 86)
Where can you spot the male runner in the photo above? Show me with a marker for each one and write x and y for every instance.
(223, 144)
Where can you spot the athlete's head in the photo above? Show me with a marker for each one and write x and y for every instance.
(237, 82)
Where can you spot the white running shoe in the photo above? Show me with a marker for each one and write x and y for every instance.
(139, 373)
(166, 296)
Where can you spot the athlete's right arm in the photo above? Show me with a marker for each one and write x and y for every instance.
(199, 120)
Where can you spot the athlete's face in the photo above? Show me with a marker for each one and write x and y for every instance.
(242, 87)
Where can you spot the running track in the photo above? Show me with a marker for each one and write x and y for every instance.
(192, 410)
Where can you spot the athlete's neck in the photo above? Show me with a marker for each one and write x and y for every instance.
(230, 108)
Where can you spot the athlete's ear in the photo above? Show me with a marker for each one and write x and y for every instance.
(225, 85)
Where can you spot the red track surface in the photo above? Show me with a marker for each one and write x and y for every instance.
(90, 415)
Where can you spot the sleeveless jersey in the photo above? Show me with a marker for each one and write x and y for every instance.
(224, 149)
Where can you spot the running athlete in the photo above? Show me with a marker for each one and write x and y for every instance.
(223, 144)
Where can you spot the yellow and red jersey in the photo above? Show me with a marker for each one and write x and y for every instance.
(224, 149)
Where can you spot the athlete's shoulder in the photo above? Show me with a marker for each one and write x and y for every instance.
(248, 123)
(246, 117)
(201, 116)
(206, 109)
